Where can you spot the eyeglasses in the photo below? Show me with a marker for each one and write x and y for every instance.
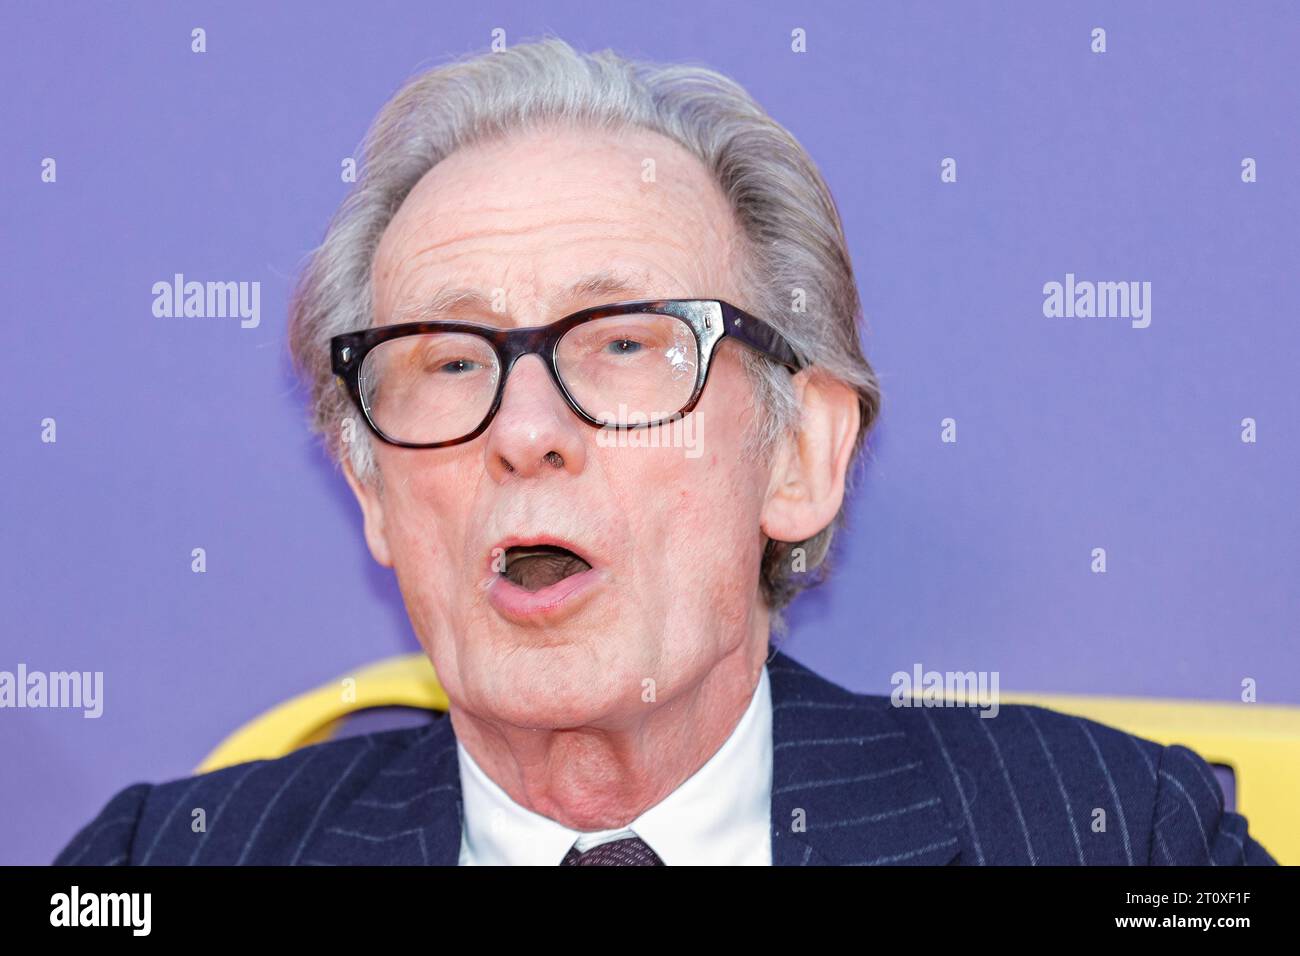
(624, 365)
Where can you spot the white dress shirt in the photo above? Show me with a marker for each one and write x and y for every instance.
(719, 816)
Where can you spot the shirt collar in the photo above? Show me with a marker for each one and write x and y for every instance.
(720, 815)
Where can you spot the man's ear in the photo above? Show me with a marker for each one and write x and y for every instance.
(810, 466)
(372, 510)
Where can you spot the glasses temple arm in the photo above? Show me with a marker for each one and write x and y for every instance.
(760, 336)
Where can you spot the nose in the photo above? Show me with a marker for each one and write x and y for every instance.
(534, 431)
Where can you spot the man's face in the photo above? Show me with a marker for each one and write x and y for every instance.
(672, 534)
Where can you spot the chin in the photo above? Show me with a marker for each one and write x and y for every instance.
(561, 683)
(536, 707)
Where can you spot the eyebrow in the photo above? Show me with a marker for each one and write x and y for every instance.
(605, 284)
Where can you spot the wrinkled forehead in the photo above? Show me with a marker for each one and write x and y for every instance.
(543, 219)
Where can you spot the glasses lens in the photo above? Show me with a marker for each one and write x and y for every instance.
(630, 369)
(424, 389)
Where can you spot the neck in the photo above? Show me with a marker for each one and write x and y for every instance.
(588, 778)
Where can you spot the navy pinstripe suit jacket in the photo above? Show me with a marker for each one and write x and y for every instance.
(855, 781)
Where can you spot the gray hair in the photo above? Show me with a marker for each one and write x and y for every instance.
(796, 263)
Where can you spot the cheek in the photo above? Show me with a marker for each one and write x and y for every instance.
(726, 487)
(711, 552)
(700, 508)
(423, 520)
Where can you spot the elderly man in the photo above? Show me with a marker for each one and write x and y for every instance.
(548, 255)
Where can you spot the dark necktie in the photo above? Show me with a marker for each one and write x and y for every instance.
(632, 851)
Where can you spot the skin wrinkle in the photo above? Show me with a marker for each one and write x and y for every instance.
(451, 302)
(678, 282)
(554, 714)
(697, 226)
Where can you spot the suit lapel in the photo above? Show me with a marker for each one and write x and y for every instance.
(408, 814)
(847, 788)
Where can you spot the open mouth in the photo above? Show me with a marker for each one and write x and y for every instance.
(537, 566)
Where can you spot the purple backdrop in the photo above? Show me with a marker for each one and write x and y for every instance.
(1073, 433)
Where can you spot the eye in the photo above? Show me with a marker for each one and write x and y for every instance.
(624, 347)
(458, 366)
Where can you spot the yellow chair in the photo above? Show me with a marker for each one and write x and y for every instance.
(407, 680)
(1260, 744)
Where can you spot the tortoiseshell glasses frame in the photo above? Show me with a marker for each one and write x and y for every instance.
(710, 320)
